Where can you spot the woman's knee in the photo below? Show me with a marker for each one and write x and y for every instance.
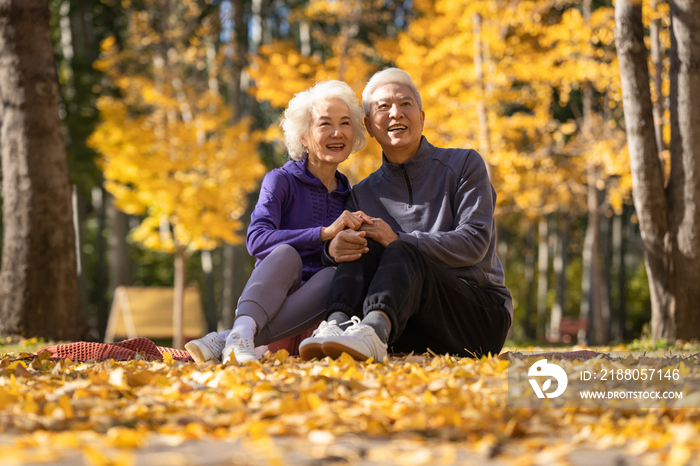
(286, 256)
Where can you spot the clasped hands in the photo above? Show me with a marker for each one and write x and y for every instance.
(349, 235)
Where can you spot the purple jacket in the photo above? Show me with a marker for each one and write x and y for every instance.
(292, 207)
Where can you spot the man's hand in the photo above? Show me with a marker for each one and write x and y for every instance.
(380, 231)
(348, 246)
(351, 220)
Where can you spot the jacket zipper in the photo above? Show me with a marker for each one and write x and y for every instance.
(408, 185)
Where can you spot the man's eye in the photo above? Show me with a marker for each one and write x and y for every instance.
(346, 123)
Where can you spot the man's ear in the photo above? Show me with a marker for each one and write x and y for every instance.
(368, 127)
(422, 120)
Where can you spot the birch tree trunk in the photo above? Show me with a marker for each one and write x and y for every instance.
(542, 277)
(529, 282)
(179, 299)
(38, 280)
(559, 263)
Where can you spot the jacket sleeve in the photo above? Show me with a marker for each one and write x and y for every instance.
(264, 232)
(473, 203)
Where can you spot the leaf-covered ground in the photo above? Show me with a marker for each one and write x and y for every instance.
(445, 408)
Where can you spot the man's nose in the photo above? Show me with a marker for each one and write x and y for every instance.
(394, 111)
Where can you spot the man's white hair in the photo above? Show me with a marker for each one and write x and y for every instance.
(296, 120)
(388, 76)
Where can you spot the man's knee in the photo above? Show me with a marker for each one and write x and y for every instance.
(374, 247)
(402, 250)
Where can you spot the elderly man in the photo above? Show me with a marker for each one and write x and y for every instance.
(423, 273)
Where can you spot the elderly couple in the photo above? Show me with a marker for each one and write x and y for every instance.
(406, 260)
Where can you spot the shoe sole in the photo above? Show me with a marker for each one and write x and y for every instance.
(333, 350)
(311, 351)
(195, 352)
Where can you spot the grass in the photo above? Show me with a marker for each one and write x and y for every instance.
(14, 345)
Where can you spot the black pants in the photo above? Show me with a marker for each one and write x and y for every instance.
(428, 306)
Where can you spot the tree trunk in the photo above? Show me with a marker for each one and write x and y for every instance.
(542, 277)
(79, 210)
(529, 282)
(650, 199)
(99, 296)
(606, 279)
(179, 299)
(619, 273)
(228, 295)
(484, 136)
(209, 300)
(654, 29)
(119, 260)
(684, 184)
(38, 283)
(560, 261)
(233, 268)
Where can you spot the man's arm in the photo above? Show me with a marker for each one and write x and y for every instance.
(474, 204)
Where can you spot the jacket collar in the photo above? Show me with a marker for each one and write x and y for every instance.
(299, 171)
(414, 166)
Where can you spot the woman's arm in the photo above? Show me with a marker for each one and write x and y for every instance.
(264, 233)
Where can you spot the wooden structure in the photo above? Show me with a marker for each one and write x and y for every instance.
(148, 312)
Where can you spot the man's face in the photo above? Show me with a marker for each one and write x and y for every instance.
(395, 120)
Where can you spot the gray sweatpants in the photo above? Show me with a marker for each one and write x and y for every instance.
(275, 299)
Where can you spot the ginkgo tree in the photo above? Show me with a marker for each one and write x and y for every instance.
(170, 153)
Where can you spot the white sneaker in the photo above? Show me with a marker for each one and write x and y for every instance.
(243, 349)
(312, 347)
(359, 340)
(208, 347)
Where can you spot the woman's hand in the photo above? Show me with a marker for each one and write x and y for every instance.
(347, 220)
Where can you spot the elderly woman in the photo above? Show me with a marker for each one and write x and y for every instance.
(301, 205)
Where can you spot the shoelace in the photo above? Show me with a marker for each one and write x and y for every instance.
(359, 329)
(215, 343)
(357, 326)
(243, 343)
(325, 329)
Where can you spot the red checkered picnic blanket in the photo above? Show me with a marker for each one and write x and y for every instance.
(122, 351)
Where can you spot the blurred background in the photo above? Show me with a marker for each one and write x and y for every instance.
(171, 109)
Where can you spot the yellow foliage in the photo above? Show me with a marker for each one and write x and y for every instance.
(433, 397)
(529, 50)
(170, 149)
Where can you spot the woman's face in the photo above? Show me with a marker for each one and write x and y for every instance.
(331, 135)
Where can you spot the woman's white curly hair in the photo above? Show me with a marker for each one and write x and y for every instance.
(296, 119)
